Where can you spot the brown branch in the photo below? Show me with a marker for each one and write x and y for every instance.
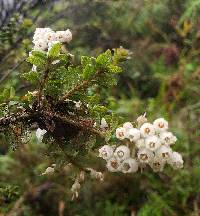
(82, 86)
(79, 123)
(78, 87)
(42, 84)
(25, 116)
(4, 121)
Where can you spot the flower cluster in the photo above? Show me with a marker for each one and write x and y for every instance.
(44, 38)
(148, 144)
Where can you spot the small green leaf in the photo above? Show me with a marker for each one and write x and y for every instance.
(100, 109)
(85, 60)
(114, 69)
(120, 54)
(32, 76)
(54, 51)
(12, 92)
(39, 54)
(88, 71)
(36, 60)
(104, 59)
(6, 93)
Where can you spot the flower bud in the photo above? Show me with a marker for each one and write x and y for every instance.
(176, 160)
(160, 125)
(133, 134)
(113, 164)
(152, 143)
(164, 152)
(167, 138)
(106, 152)
(122, 152)
(127, 126)
(140, 143)
(141, 120)
(120, 133)
(39, 134)
(147, 129)
(157, 164)
(129, 165)
(145, 155)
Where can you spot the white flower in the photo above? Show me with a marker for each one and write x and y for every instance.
(50, 36)
(49, 170)
(122, 152)
(160, 125)
(40, 45)
(40, 34)
(76, 186)
(145, 155)
(167, 138)
(164, 152)
(141, 119)
(78, 104)
(152, 143)
(75, 189)
(103, 124)
(176, 160)
(133, 134)
(34, 68)
(55, 62)
(157, 164)
(113, 164)
(147, 129)
(64, 36)
(106, 152)
(96, 175)
(121, 133)
(129, 165)
(81, 176)
(140, 143)
(127, 126)
(40, 133)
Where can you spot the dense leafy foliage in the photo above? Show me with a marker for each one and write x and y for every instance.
(161, 79)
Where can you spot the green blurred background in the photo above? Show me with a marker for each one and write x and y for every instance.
(162, 78)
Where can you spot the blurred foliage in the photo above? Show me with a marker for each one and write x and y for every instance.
(162, 78)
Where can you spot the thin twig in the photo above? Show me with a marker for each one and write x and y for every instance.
(42, 85)
(82, 86)
(15, 118)
(79, 123)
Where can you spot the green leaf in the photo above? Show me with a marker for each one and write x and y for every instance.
(6, 93)
(85, 60)
(54, 51)
(12, 92)
(100, 109)
(120, 54)
(104, 59)
(88, 71)
(114, 69)
(32, 76)
(36, 60)
(39, 54)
